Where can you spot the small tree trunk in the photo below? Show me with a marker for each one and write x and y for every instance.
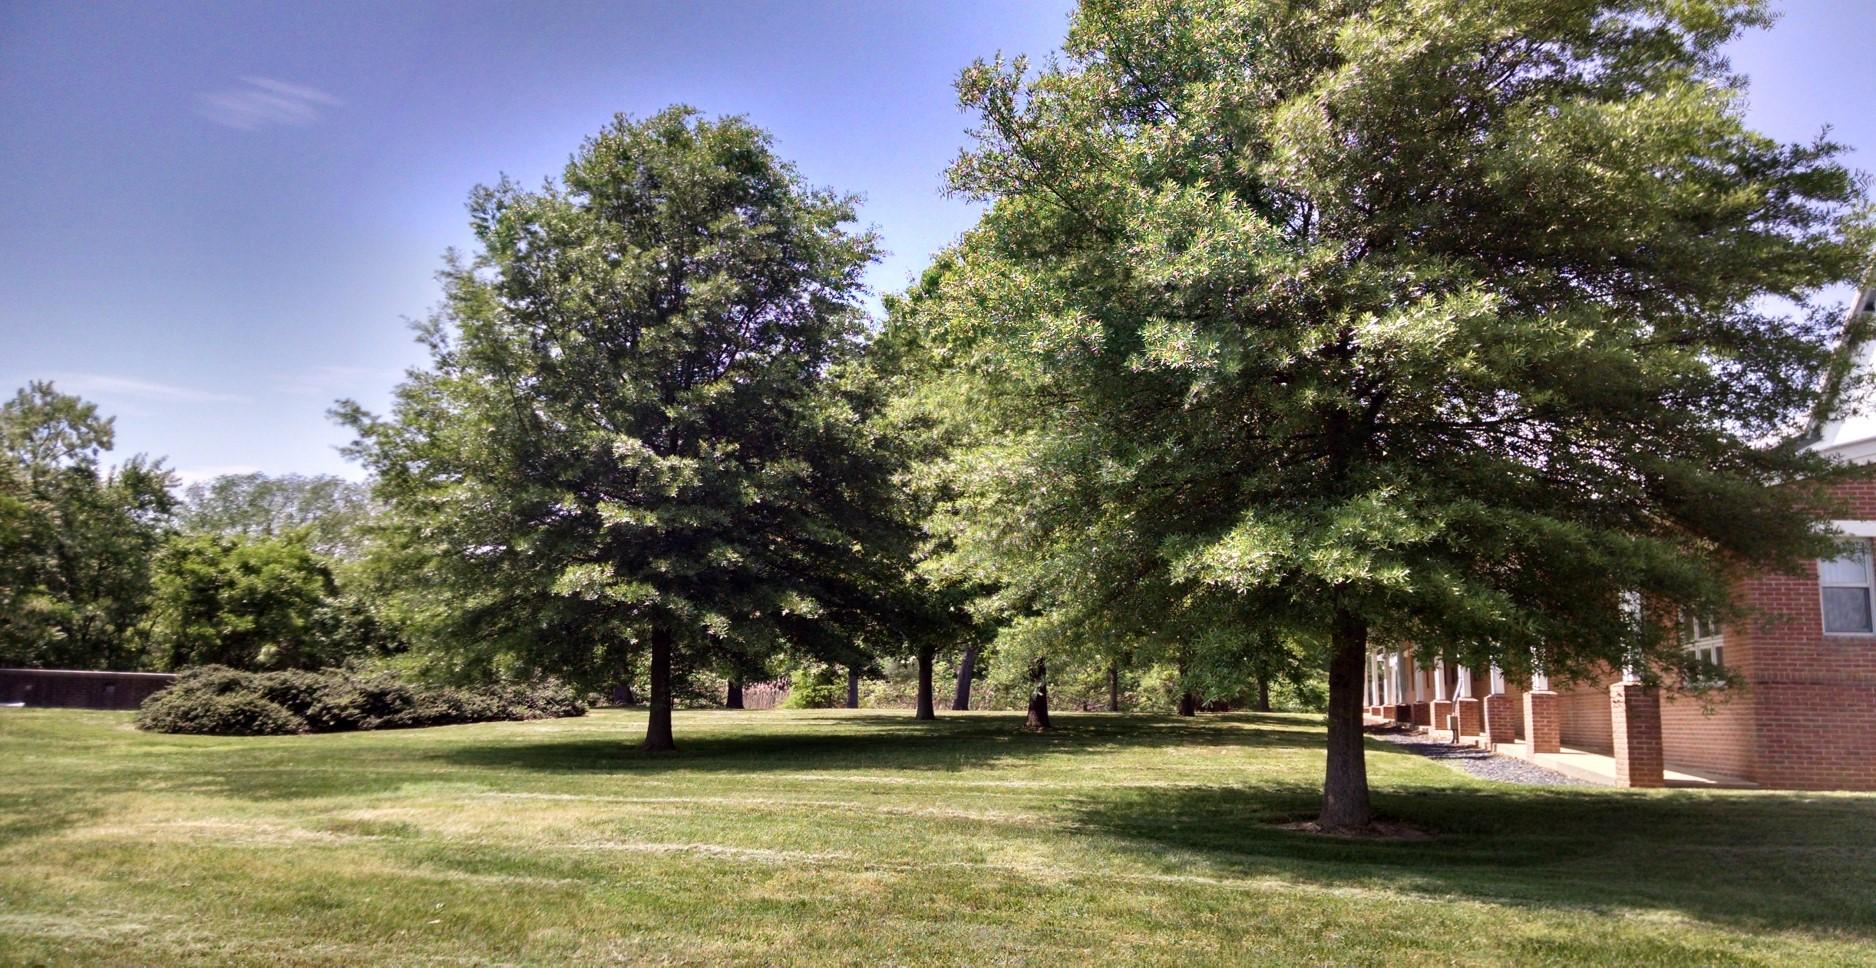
(853, 687)
(1188, 704)
(1039, 694)
(924, 686)
(1113, 687)
(1263, 694)
(967, 669)
(1345, 780)
(734, 698)
(658, 727)
(624, 692)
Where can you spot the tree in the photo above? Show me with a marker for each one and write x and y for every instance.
(931, 615)
(634, 434)
(248, 602)
(967, 671)
(1038, 718)
(332, 509)
(1444, 321)
(76, 538)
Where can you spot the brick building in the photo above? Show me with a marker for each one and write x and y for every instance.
(1804, 719)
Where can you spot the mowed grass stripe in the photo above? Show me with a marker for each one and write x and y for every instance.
(865, 838)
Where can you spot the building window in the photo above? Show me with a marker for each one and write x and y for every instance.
(1844, 582)
(1704, 637)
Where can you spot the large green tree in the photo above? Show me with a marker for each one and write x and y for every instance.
(76, 536)
(634, 432)
(1442, 321)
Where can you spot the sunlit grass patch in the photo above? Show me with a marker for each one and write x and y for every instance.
(865, 838)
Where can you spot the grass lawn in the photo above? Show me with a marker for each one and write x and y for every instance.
(866, 838)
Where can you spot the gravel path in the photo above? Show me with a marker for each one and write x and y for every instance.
(1479, 763)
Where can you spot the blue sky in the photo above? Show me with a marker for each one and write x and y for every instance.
(217, 214)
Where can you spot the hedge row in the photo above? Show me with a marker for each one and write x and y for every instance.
(226, 702)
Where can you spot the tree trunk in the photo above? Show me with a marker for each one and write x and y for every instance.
(967, 668)
(853, 687)
(734, 698)
(1188, 703)
(1113, 687)
(658, 727)
(1039, 694)
(1345, 781)
(1263, 694)
(624, 693)
(924, 686)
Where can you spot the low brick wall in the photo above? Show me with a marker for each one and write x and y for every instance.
(73, 689)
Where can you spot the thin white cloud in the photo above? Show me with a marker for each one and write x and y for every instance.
(98, 384)
(328, 381)
(262, 102)
(193, 475)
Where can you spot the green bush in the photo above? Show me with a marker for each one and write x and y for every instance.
(823, 688)
(219, 714)
(227, 702)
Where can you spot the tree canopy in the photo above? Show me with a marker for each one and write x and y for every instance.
(332, 510)
(638, 431)
(76, 536)
(1382, 321)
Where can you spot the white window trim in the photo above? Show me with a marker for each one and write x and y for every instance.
(1714, 641)
(1855, 528)
(1868, 585)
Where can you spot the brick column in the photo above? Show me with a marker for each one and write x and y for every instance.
(1471, 716)
(1635, 714)
(1500, 725)
(1442, 710)
(1543, 722)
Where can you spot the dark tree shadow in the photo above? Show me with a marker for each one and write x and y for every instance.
(33, 814)
(1763, 862)
(300, 767)
(884, 741)
(1755, 860)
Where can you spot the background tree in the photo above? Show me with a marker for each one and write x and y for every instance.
(332, 510)
(629, 436)
(76, 537)
(249, 603)
(1442, 321)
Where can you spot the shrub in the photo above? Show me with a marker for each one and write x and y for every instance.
(217, 714)
(227, 702)
(816, 689)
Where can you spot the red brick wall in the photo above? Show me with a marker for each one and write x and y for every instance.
(1813, 696)
(1716, 735)
(1716, 738)
(1584, 709)
(1517, 709)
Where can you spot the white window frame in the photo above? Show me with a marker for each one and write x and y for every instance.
(1868, 585)
(1705, 637)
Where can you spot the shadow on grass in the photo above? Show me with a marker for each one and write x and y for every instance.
(35, 814)
(1764, 862)
(875, 741)
(316, 766)
(1761, 861)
